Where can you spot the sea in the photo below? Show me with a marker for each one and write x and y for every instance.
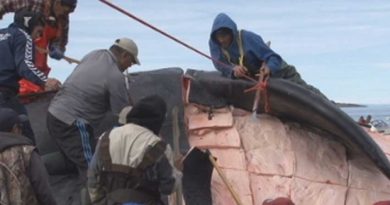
(377, 112)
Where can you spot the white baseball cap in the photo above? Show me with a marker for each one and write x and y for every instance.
(129, 46)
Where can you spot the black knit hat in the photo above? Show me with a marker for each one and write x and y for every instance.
(27, 20)
(149, 112)
(8, 118)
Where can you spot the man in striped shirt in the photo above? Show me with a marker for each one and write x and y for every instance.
(16, 51)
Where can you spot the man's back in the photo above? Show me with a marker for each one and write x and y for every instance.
(132, 147)
(15, 153)
(95, 86)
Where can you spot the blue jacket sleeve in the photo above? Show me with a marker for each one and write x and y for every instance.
(24, 52)
(263, 52)
(226, 68)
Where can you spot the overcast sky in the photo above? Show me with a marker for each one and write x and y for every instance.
(341, 47)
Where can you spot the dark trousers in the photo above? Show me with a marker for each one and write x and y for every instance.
(76, 142)
(10, 100)
(289, 72)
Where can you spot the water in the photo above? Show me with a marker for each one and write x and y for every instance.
(378, 112)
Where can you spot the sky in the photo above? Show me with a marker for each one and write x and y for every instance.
(341, 47)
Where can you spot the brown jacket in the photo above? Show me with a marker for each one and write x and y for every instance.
(43, 6)
(23, 177)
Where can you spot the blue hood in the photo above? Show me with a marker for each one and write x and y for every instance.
(254, 49)
(223, 21)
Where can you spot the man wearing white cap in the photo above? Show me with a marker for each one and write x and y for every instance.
(96, 86)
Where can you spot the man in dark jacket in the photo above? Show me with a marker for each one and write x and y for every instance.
(23, 177)
(16, 62)
(238, 53)
(55, 34)
(132, 165)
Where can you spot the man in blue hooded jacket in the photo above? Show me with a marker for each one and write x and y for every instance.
(238, 53)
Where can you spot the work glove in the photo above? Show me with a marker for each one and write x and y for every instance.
(56, 52)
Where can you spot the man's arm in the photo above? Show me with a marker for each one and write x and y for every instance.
(57, 46)
(220, 63)
(169, 177)
(263, 52)
(63, 40)
(95, 188)
(25, 66)
(39, 179)
(24, 52)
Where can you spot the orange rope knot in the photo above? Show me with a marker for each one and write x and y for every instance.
(262, 86)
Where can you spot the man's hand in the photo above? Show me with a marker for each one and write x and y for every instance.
(239, 71)
(265, 71)
(52, 84)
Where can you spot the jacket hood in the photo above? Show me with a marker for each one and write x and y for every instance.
(223, 21)
(27, 20)
(8, 139)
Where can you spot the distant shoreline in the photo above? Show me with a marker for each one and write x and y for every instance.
(349, 105)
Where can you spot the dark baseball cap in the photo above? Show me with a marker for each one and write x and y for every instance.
(8, 118)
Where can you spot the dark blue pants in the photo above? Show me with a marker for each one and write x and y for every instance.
(8, 100)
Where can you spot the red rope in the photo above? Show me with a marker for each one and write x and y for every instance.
(169, 36)
(162, 32)
(263, 87)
